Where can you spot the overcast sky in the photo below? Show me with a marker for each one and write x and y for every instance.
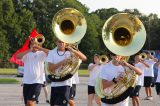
(144, 6)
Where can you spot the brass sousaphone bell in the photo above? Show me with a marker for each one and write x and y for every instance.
(123, 34)
(69, 26)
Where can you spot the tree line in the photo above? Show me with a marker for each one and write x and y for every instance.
(19, 17)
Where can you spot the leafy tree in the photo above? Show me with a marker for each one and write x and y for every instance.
(4, 50)
(8, 30)
(19, 17)
(15, 27)
(26, 24)
(104, 14)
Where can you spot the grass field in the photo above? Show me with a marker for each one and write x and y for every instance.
(83, 72)
(8, 81)
(7, 71)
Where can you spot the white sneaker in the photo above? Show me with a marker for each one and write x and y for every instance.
(150, 98)
(146, 98)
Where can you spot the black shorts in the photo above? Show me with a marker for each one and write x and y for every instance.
(44, 84)
(135, 91)
(31, 91)
(148, 81)
(72, 92)
(158, 88)
(91, 90)
(60, 95)
(153, 82)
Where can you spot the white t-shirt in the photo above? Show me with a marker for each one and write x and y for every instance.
(44, 77)
(140, 78)
(108, 72)
(158, 75)
(149, 72)
(93, 74)
(33, 67)
(53, 57)
(75, 78)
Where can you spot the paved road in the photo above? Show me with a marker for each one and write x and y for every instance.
(11, 95)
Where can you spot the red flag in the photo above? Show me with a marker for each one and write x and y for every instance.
(24, 47)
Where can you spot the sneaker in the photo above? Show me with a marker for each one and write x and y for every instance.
(146, 98)
(47, 101)
(150, 98)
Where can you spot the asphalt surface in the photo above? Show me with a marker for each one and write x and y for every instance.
(11, 95)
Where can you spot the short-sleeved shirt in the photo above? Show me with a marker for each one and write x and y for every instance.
(158, 75)
(75, 77)
(93, 74)
(149, 72)
(33, 67)
(140, 78)
(55, 56)
(108, 72)
(44, 77)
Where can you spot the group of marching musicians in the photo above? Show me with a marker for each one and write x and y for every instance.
(109, 73)
(63, 93)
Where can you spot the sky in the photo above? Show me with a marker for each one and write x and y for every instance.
(144, 6)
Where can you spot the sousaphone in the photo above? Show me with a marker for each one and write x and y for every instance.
(69, 26)
(124, 35)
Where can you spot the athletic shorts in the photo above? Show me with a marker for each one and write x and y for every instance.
(153, 82)
(135, 91)
(31, 91)
(91, 90)
(158, 88)
(148, 81)
(72, 92)
(60, 95)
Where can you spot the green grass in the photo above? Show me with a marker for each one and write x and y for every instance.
(5, 71)
(83, 72)
(8, 71)
(8, 81)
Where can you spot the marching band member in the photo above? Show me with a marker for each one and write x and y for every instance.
(94, 70)
(75, 81)
(57, 57)
(139, 63)
(45, 89)
(158, 80)
(112, 73)
(33, 60)
(149, 75)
